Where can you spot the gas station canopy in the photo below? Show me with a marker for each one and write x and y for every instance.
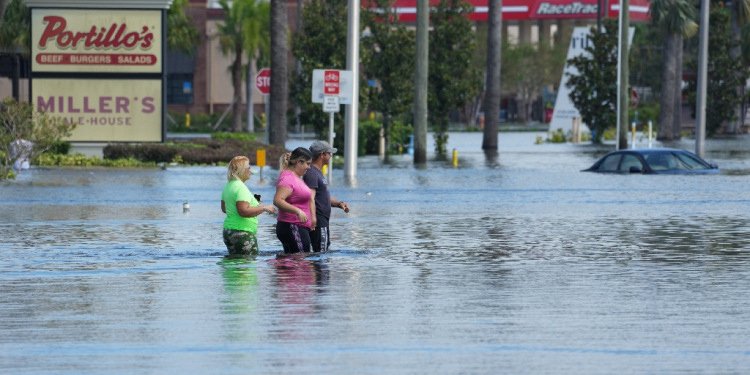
(523, 10)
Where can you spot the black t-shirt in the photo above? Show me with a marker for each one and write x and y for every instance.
(315, 180)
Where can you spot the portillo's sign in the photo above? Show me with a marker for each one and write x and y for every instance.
(112, 41)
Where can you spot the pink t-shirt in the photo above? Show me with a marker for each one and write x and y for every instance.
(299, 198)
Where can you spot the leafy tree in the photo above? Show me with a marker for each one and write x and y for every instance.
(453, 81)
(244, 30)
(321, 44)
(526, 68)
(676, 19)
(594, 89)
(725, 74)
(390, 60)
(19, 121)
(181, 34)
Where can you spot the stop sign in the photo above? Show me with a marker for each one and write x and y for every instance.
(263, 81)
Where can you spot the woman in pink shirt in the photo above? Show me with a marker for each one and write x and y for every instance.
(294, 200)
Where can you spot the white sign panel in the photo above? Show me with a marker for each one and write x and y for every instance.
(565, 111)
(331, 103)
(346, 90)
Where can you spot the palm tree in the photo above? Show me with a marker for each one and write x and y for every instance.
(492, 80)
(181, 34)
(256, 27)
(279, 78)
(242, 33)
(677, 19)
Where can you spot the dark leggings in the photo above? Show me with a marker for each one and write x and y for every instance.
(295, 238)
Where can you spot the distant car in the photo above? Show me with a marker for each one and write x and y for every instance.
(653, 161)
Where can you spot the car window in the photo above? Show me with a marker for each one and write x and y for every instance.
(690, 161)
(610, 163)
(663, 161)
(630, 160)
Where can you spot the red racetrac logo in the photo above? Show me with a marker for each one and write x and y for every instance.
(563, 9)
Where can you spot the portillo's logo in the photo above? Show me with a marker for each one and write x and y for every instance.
(114, 37)
(564, 9)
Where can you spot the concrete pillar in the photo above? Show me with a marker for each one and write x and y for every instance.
(545, 32)
(524, 31)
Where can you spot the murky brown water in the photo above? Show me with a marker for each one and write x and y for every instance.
(513, 263)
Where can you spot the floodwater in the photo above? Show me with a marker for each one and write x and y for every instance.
(509, 263)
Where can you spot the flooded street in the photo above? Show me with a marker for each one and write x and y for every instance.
(509, 263)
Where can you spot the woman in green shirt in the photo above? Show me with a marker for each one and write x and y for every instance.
(242, 210)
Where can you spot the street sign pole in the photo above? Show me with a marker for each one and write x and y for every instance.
(330, 105)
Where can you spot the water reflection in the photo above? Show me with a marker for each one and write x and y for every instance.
(239, 301)
(299, 282)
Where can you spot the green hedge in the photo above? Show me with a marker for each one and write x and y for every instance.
(196, 151)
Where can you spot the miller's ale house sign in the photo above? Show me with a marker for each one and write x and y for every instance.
(111, 41)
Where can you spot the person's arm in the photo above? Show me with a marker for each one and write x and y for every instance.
(279, 200)
(223, 207)
(313, 213)
(340, 204)
(244, 209)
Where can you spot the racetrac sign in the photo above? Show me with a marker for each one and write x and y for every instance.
(557, 9)
(113, 41)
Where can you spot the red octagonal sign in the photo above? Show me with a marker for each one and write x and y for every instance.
(263, 81)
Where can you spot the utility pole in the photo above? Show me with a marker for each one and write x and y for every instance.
(622, 138)
(420, 82)
(492, 83)
(352, 112)
(700, 115)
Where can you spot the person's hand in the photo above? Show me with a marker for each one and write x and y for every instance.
(344, 207)
(302, 217)
(313, 223)
(270, 209)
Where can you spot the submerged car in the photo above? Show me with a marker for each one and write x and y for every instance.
(653, 161)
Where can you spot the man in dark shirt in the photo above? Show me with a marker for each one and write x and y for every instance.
(320, 237)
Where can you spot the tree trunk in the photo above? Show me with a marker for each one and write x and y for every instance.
(237, 83)
(279, 79)
(666, 112)
(492, 83)
(736, 28)
(677, 129)
(249, 80)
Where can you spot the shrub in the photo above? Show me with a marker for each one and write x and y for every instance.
(196, 151)
(369, 136)
(235, 136)
(49, 159)
(19, 122)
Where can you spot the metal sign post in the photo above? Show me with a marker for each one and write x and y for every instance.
(330, 105)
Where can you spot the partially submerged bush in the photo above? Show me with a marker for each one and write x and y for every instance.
(26, 134)
(196, 151)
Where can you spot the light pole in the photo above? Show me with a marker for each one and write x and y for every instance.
(352, 65)
(700, 115)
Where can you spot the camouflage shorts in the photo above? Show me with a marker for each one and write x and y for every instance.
(240, 242)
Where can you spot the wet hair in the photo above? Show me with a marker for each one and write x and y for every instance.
(292, 158)
(237, 167)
